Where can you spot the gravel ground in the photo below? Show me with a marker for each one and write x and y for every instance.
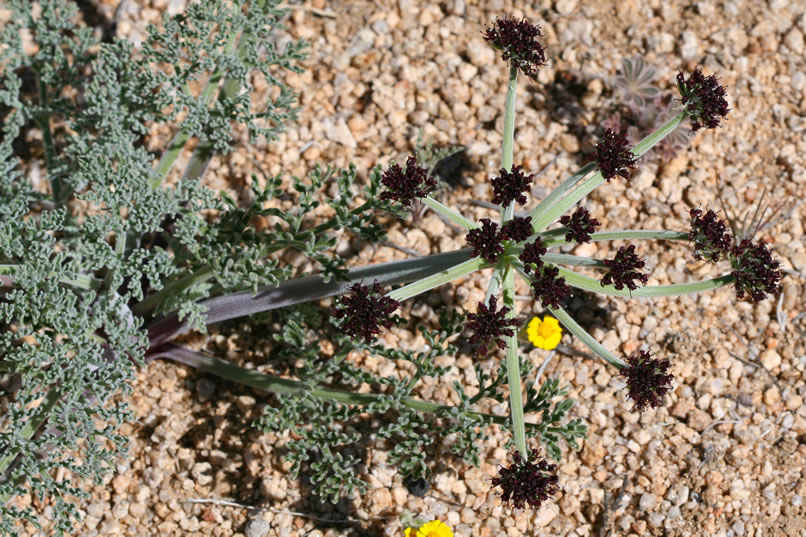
(725, 457)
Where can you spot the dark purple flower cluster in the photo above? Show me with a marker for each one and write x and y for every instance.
(755, 271)
(623, 269)
(710, 235)
(486, 240)
(518, 41)
(704, 99)
(518, 229)
(580, 225)
(510, 186)
(406, 186)
(365, 311)
(613, 155)
(647, 380)
(490, 325)
(532, 481)
(550, 288)
(533, 255)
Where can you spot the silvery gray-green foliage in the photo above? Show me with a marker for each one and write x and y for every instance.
(80, 265)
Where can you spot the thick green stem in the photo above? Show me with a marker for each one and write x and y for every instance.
(590, 284)
(573, 327)
(549, 201)
(626, 234)
(509, 135)
(281, 386)
(513, 368)
(576, 260)
(495, 283)
(152, 301)
(551, 213)
(182, 137)
(43, 119)
(449, 214)
(426, 284)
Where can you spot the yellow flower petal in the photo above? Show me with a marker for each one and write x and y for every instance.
(435, 528)
(407, 533)
(546, 333)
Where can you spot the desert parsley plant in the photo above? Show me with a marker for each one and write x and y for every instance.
(103, 267)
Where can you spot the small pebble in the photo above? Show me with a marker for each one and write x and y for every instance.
(257, 527)
(565, 7)
(205, 388)
(647, 502)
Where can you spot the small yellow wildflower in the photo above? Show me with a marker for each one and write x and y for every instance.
(545, 334)
(435, 528)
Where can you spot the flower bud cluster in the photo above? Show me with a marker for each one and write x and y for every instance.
(530, 481)
(510, 186)
(518, 42)
(486, 241)
(549, 287)
(755, 271)
(365, 311)
(624, 269)
(406, 186)
(613, 155)
(580, 225)
(704, 99)
(490, 325)
(532, 256)
(710, 235)
(647, 380)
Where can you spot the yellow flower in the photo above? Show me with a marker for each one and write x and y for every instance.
(435, 528)
(545, 334)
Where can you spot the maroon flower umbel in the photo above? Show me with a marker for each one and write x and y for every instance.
(490, 326)
(510, 186)
(623, 269)
(518, 41)
(704, 99)
(406, 186)
(486, 240)
(365, 311)
(613, 155)
(532, 255)
(580, 225)
(710, 235)
(549, 288)
(518, 229)
(647, 381)
(527, 482)
(755, 271)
